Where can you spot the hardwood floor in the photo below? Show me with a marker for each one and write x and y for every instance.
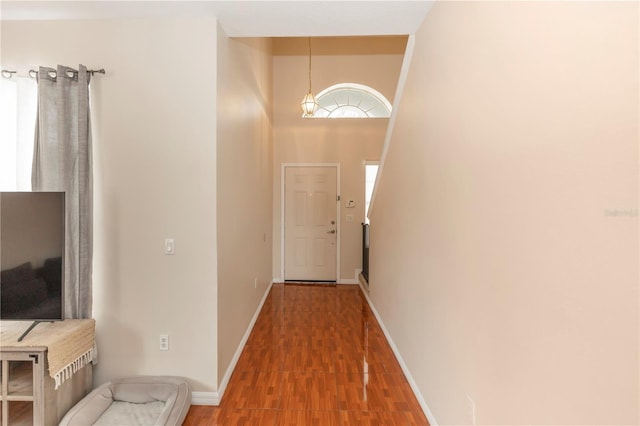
(316, 356)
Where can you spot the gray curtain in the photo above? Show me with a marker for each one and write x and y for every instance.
(62, 162)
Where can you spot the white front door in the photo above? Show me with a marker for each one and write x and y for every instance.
(310, 223)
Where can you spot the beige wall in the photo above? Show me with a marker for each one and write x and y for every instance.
(498, 261)
(245, 196)
(374, 62)
(155, 178)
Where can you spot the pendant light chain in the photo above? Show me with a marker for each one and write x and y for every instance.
(309, 104)
(309, 64)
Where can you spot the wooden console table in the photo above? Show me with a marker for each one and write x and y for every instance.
(47, 373)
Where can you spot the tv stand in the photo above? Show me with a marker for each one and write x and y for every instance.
(31, 327)
(29, 395)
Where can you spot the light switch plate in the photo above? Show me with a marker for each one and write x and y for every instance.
(169, 246)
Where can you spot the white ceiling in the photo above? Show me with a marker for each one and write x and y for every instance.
(242, 18)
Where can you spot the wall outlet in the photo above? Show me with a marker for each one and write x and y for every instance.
(164, 342)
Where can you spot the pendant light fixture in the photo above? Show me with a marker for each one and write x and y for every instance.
(309, 104)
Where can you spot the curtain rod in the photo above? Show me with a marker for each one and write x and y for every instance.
(34, 73)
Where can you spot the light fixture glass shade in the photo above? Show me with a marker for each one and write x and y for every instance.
(309, 105)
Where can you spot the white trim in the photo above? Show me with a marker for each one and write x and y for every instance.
(282, 178)
(232, 365)
(363, 283)
(357, 86)
(355, 280)
(205, 398)
(404, 71)
(369, 92)
(338, 222)
(282, 195)
(405, 369)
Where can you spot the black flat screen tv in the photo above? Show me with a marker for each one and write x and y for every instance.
(32, 243)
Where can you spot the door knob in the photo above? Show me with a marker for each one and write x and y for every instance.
(333, 231)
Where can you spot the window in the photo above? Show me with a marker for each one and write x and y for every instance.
(351, 100)
(370, 173)
(18, 105)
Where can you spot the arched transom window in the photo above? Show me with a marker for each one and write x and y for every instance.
(351, 100)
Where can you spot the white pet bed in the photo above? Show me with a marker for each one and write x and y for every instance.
(144, 400)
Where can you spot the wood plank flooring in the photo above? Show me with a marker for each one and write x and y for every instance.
(316, 356)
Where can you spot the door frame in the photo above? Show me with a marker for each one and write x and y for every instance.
(283, 167)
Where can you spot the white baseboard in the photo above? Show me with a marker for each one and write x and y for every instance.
(405, 369)
(354, 280)
(232, 365)
(205, 398)
(364, 284)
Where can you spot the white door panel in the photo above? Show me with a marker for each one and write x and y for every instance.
(310, 229)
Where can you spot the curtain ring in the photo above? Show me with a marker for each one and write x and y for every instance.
(52, 74)
(7, 73)
(33, 73)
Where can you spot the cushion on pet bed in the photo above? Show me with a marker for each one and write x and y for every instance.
(143, 400)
